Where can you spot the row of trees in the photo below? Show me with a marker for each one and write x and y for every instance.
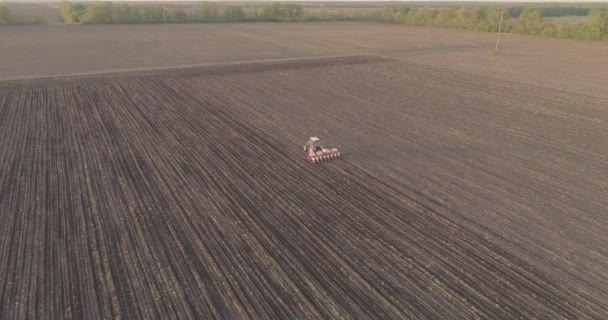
(524, 20)
(484, 18)
(281, 12)
(551, 11)
(108, 12)
(5, 15)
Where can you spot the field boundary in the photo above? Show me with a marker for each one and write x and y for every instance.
(200, 69)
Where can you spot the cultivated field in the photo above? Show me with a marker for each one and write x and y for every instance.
(184, 193)
(575, 66)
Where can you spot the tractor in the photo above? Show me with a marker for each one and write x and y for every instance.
(316, 152)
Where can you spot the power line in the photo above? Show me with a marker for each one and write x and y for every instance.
(498, 35)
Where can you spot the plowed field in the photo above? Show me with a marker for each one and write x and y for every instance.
(185, 194)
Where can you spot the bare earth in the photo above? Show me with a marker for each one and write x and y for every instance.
(577, 66)
(473, 185)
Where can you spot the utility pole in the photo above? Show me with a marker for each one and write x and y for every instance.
(498, 35)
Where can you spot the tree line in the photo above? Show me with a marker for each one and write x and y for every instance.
(108, 12)
(544, 21)
(552, 11)
(485, 18)
(6, 17)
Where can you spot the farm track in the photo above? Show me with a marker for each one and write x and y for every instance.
(183, 196)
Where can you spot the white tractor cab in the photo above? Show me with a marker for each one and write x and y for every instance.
(313, 143)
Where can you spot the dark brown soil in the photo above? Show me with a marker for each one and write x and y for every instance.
(185, 195)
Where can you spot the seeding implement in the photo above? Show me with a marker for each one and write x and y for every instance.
(316, 153)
